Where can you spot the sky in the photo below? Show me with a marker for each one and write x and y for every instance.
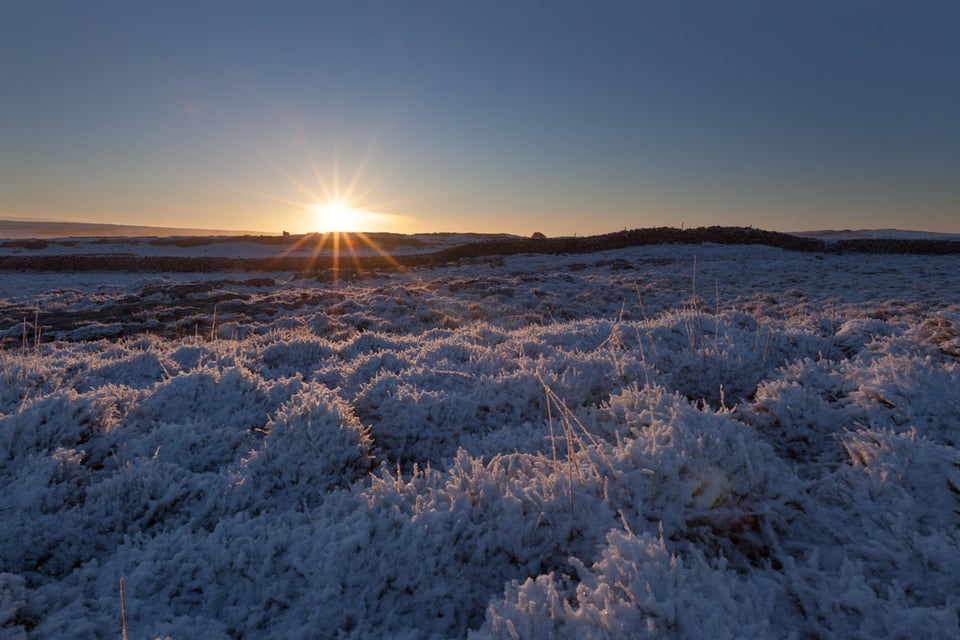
(555, 117)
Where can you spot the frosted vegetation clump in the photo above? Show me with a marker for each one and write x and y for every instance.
(664, 442)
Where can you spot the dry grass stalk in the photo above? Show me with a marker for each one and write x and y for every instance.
(577, 437)
(123, 611)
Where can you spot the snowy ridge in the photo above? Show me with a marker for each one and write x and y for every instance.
(33, 229)
(877, 234)
(247, 247)
(359, 253)
(661, 441)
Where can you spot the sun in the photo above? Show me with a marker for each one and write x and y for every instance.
(338, 217)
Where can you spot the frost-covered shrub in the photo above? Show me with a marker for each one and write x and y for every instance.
(469, 529)
(369, 342)
(188, 355)
(585, 381)
(146, 496)
(314, 442)
(25, 377)
(231, 396)
(907, 390)
(943, 332)
(63, 419)
(38, 529)
(638, 589)
(720, 359)
(802, 409)
(918, 478)
(699, 475)
(138, 362)
(855, 334)
(353, 376)
(416, 424)
(299, 354)
(13, 595)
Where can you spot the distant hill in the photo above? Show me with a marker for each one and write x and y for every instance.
(22, 229)
(876, 234)
(313, 253)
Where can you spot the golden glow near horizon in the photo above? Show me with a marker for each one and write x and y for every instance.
(322, 200)
(330, 206)
(335, 213)
(339, 216)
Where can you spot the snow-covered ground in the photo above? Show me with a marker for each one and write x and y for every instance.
(664, 441)
(249, 247)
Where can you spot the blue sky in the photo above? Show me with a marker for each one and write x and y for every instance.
(499, 116)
